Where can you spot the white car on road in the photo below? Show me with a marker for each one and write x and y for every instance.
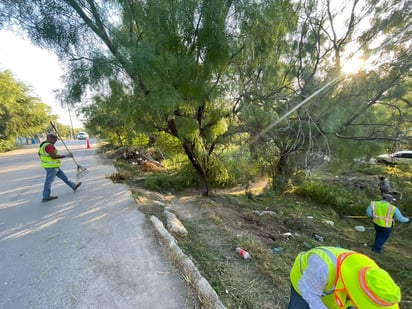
(400, 157)
(82, 135)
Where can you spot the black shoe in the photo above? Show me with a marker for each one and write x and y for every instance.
(77, 186)
(50, 198)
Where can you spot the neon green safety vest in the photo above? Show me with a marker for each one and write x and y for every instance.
(46, 160)
(329, 255)
(383, 213)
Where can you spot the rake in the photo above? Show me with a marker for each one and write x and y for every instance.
(81, 170)
(356, 217)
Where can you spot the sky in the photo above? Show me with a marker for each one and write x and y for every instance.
(36, 68)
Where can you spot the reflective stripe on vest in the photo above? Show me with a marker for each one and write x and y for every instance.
(369, 292)
(383, 213)
(329, 256)
(362, 282)
(340, 289)
(46, 160)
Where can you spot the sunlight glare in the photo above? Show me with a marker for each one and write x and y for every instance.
(353, 65)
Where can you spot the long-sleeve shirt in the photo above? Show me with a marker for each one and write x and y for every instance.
(313, 282)
(397, 215)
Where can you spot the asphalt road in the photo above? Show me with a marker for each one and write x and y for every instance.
(87, 249)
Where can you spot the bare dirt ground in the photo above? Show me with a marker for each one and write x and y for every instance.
(273, 229)
(228, 218)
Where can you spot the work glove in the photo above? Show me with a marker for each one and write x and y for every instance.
(69, 155)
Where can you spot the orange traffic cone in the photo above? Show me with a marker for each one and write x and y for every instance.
(87, 143)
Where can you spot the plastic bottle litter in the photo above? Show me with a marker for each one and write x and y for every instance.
(360, 228)
(243, 253)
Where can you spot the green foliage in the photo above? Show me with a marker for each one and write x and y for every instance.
(6, 145)
(339, 198)
(203, 70)
(369, 169)
(170, 65)
(401, 181)
(169, 145)
(21, 114)
(357, 117)
(105, 118)
(217, 226)
(172, 182)
(231, 168)
(140, 140)
(351, 151)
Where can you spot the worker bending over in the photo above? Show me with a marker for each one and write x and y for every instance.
(329, 277)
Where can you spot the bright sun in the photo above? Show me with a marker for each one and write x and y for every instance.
(353, 65)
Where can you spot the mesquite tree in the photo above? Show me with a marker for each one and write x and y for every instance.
(203, 70)
(372, 106)
(168, 65)
(21, 113)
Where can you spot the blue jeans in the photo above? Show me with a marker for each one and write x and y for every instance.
(381, 236)
(51, 174)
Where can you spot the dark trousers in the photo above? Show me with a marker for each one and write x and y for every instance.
(296, 301)
(381, 236)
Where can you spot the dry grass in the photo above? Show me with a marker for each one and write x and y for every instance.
(219, 224)
(229, 219)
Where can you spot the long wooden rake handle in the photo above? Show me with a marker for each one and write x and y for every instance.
(58, 135)
(356, 217)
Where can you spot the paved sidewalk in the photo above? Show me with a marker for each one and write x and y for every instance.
(87, 249)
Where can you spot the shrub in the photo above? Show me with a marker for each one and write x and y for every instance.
(6, 145)
(184, 178)
(231, 168)
(342, 200)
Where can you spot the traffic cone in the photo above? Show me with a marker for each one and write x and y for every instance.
(87, 143)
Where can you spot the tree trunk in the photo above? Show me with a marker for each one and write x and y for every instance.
(282, 166)
(189, 150)
(279, 180)
(199, 169)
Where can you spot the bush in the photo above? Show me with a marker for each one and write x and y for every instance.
(184, 178)
(342, 200)
(6, 145)
(230, 169)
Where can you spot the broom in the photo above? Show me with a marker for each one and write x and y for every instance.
(81, 170)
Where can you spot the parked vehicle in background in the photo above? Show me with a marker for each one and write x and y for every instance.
(400, 157)
(82, 135)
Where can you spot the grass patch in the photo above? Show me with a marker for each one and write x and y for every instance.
(336, 196)
(293, 222)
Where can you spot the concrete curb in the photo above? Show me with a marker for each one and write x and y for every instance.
(206, 292)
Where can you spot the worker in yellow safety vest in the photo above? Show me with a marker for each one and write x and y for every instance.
(329, 277)
(384, 214)
(50, 161)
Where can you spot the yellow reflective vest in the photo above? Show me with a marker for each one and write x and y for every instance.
(46, 160)
(330, 256)
(383, 213)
